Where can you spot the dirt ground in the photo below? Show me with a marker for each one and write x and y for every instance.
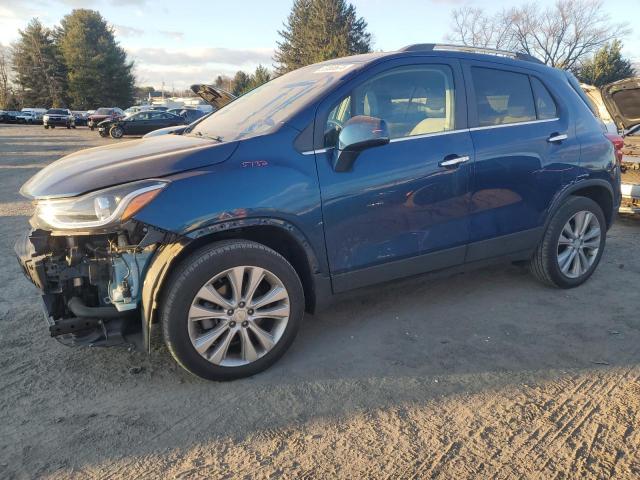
(485, 374)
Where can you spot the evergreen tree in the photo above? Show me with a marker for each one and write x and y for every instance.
(606, 66)
(260, 76)
(38, 68)
(99, 73)
(318, 30)
(241, 83)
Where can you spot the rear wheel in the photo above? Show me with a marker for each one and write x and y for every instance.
(46, 127)
(231, 310)
(572, 244)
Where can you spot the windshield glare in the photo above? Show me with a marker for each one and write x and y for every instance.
(103, 111)
(262, 109)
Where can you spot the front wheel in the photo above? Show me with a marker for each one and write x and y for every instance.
(232, 309)
(572, 245)
(116, 132)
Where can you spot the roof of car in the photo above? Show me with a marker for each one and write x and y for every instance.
(448, 51)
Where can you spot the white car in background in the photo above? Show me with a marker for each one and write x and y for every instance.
(618, 106)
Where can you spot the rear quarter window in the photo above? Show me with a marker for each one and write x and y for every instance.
(545, 104)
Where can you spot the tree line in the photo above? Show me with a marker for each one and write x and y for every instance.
(575, 35)
(79, 64)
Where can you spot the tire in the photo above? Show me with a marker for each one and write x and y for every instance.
(197, 272)
(103, 133)
(116, 132)
(558, 244)
(52, 126)
(68, 127)
(46, 127)
(91, 128)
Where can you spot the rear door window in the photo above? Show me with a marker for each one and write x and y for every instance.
(502, 97)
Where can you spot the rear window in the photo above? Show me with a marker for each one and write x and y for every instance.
(57, 111)
(502, 97)
(103, 111)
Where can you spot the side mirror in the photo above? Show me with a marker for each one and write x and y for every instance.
(358, 134)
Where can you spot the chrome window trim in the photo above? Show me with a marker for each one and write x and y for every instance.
(319, 150)
(513, 124)
(427, 135)
(447, 132)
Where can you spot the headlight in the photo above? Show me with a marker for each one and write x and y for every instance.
(99, 209)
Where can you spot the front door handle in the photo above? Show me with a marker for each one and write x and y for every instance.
(557, 137)
(452, 161)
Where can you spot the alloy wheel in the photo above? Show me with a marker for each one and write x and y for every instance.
(238, 316)
(578, 244)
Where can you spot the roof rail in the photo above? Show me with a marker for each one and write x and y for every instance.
(434, 47)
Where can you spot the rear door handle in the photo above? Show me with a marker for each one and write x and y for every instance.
(557, 137)
(452, 161)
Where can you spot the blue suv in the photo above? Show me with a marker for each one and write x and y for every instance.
(335, 176)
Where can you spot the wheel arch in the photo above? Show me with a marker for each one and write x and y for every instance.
(598, 190)
(278, 235)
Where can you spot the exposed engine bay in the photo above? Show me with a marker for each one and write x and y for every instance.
(92, 284)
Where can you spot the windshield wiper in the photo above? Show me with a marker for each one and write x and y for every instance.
(204, 135)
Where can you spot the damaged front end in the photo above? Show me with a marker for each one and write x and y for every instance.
(90, 259)
(92, 284)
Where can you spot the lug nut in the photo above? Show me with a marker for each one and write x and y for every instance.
(232, 324)
(241, 304)
(229, 312)
(245, 324)
(250, 311)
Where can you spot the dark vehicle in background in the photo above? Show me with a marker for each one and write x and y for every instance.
(9, 116)
(139, 123)
(214, 96)
(102, 114)
(81, 118)
(338, 175)
(58, 117)
(189, 114)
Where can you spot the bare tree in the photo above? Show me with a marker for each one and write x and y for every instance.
(5, 86)
(561, 35)
(474, 27)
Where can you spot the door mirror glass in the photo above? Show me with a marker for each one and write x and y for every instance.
(358, 134)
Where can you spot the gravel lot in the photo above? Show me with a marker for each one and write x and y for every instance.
(486, 374)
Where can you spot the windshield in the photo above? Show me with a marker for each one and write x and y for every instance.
(103, 111)
(262, 109)
(57, 111)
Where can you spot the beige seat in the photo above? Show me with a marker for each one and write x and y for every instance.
(430, 125)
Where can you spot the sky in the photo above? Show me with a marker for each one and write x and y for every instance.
(185, 42)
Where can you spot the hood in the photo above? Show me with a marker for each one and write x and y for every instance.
(101, 167)
(214, 96)
(622, 99)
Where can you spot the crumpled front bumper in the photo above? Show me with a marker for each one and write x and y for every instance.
(72, 330)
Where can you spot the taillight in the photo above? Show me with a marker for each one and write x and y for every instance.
(618, 144)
